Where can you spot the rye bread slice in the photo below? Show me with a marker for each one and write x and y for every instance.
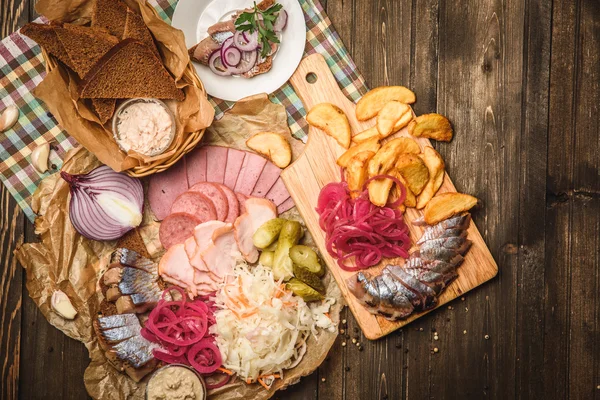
(130, 70)
(104, 108)
(45, 35)
(85, 45)
(110, 14)
(135, 28)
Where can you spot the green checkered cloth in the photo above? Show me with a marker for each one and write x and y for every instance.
(22, 69)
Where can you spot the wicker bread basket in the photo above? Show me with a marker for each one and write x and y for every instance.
(190, 141)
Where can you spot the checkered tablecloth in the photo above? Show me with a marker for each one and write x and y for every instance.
(22, 69)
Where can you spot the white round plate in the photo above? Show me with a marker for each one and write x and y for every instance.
(194, 17)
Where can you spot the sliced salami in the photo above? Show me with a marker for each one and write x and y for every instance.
(278, 193)
(176, 228)
(242, 201)
(251, 169)
(235, 159)
(232, 201)
(195, 204)
(286, 205)
(165, 187)
(216, 195)
(267, 179)
(196, 166)
(216, 163)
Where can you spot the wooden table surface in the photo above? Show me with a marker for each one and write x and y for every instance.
(520, 82)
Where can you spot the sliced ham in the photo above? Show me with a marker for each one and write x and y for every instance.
(165, 187)
(174, 267)
(286, 205)
(196, 166)
(176, 228)
(258, 211)
(278, 193)
(203, 234)
(195, 204)
(214, 193)
(235, 159)
(249, 173)
(216, 163)
(233, 203)
(220, 254)
(267, 179)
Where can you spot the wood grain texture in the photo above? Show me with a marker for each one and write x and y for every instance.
(316, 167)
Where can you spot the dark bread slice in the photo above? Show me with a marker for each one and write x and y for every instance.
(45, 36)
(135, 28)
(110, 14)
(104, 108)
(85, 45)
(130, 70)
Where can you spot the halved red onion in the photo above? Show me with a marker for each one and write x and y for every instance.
(246, 41)
(104, 204)
(281, 21)
(216, 66)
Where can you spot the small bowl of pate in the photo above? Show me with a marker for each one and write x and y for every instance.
(146, 126)
(176, 381)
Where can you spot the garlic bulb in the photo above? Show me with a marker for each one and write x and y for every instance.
(61, 303)
(39, 157)
(9, 117)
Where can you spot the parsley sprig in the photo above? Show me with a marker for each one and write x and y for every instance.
(249, 21)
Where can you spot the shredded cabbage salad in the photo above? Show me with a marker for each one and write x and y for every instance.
(262, 328)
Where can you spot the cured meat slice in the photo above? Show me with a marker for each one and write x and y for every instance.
(235, 159)
(216, 163)
(233, 203)
(242, 201)
(286, 205)
(203, 234)
(176, 228)
(174, 267)
(165, 187)
(220, 255)
(195, 204)
(249, 173)
(267, 179)
(196, 166)
(278, 193)
(214, 193)
(258, 211)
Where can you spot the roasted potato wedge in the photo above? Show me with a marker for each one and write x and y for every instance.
(446, 205)
(333, 121)
(379, 191)
(356, 171)
(431, 126)
(410, 200)
(371, 103)
(387, 155)
(414, 171)
(366, 135)
(370, 145)
(273, 146)
(435, 165)
(389, 116)
(406, 118)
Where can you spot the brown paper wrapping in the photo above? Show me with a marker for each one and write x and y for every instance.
(65, 260)
(59, 92)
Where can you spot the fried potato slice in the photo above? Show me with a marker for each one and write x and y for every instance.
(414, 171)
(406, 118)
(356, 171)
(387, 155)
(273, 146)
(370, 145)
(389, 116)
(431, 126)
(446, 205)
(366, 135)
(333, 121)
(372, 102)
(435, 165)
(379, 191)
(410, 200)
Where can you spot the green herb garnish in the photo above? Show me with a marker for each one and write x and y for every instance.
(250, 21)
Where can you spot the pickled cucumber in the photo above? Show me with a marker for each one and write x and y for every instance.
(307, 258)
(266, 258)
(268, 233)
(290, 234)
(309, 278)
(303, 290)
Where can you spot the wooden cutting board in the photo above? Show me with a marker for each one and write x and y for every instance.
(317, 167)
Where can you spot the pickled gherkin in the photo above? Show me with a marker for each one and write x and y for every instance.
(303, 290)
(307, 258)
(266, 258)
(283, 267)
(309, 278)
(268, 233)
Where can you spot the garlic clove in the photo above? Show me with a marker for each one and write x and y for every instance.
(39, 157)
(9, 117)
(62, 305)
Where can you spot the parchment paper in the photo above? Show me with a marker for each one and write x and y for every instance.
(65, 260)
(59, 88)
